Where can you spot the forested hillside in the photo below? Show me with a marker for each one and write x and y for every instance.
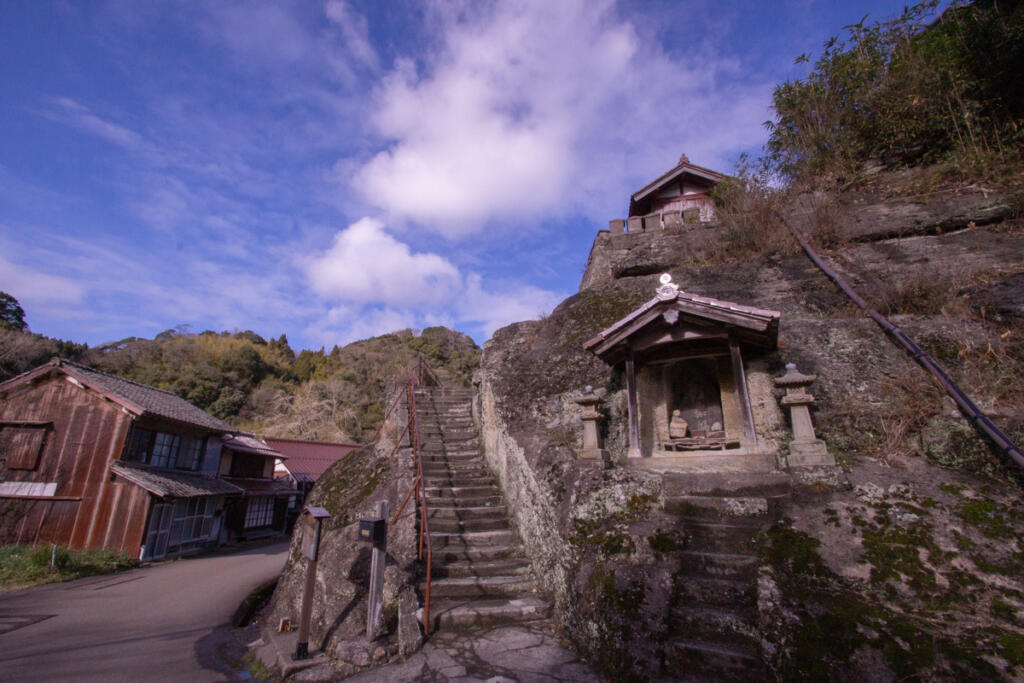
(258, 384)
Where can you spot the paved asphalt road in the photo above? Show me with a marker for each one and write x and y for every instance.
(158, 623)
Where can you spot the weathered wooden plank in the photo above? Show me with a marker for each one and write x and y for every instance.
(632, 407)
(740, 377)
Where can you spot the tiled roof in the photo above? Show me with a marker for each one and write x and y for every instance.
(171, 484)
(249, 443)
(151, 400)
(307, 460)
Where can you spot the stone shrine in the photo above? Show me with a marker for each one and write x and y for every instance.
(683, 357)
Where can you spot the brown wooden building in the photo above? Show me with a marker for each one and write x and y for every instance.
(685, 187)
(88, 460)
(261, 510)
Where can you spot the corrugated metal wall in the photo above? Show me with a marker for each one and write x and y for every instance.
(88, 434)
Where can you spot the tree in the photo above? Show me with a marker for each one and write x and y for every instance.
(12, 315)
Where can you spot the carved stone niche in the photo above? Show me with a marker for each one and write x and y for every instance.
(683, 360)
(806, 449)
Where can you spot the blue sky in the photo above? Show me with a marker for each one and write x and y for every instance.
(335, 170)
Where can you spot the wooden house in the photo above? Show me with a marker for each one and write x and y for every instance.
(261, 510)
(679, 196)
(89, 460)
(685, 186)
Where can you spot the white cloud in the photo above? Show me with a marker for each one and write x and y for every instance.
(537, 108)
(31, 286)
(365, 264)
(355, 32)
(379, 285)
(75, 114)
(491, 310)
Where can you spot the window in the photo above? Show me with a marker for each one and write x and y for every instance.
(190, 454)
(160, 449)
(21, 444)
(260, 512)
(247, 465)
(140, 445)
(192, 522)
(165, 449)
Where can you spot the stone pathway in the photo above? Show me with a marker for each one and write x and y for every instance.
(529, 652)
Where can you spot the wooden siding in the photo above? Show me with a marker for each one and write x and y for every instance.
(88, 433)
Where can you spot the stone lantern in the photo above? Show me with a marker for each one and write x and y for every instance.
(592, 417)
(805, 450)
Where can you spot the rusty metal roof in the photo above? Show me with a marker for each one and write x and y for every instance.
(307, 460)
(172, 484)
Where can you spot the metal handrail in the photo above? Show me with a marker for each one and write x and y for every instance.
(412, 428)
(424, 523)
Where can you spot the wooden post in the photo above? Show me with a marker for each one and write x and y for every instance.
(631, 404)
(374, 606)
(311, 549)
(740, 377)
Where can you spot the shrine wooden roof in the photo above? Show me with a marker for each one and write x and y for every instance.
(684, 167)
(685, 319)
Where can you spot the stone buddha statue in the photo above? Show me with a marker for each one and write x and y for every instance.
(677, 426)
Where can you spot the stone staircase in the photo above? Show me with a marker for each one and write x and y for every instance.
(480, 574)
(713, 627)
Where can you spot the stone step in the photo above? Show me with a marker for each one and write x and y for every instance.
(714, 625)
(721, 537)
(436, 392)
(464, 503)
(466, 440)
(726, 484)
(467, 512)
(480, 553)
(443, 471)
(737, 594)
(458, 480)
(712, 661)
(469, 467)
(724, 508)
(480, 586)
(718, 565)
(470, 539)
(469, 446)
(507, 566)
(454, 526)
(443, 455)
(441, 452)
(445, 399)
(460, 491)
(445, 422)
(462, 614)
(428, 431)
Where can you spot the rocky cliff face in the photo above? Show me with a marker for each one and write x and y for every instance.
(913, 569)
(349, 490)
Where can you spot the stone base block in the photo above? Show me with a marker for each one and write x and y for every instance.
(595, 457)
(810, 454)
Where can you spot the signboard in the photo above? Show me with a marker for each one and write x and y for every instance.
(310, 537)
(311, 531)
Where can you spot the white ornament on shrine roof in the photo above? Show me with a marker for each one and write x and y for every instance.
(668, 290)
